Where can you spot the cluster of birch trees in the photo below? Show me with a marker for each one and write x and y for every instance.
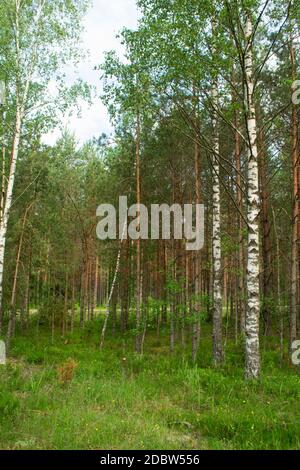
(205, 110)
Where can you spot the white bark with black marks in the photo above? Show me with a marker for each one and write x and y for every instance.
(253, 302)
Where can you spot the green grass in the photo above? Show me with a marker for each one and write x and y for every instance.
(118, 400)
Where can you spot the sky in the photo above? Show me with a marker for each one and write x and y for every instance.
(102, 23)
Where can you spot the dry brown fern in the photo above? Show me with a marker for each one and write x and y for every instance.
(66, 372)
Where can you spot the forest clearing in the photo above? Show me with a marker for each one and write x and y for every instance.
(149, 225)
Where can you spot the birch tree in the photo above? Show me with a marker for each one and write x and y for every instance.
(253, 288)
(39, 39)
(216, 239)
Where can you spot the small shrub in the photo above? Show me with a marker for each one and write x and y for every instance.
(66, 372)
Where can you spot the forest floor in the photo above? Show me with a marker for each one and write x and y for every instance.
(114, 399)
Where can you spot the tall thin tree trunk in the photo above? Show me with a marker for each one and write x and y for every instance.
(197, 272)
(3, 183)
(96, 283)
(8, 199)
(21, 99)
(112, 289)
(138, 345)
(267, 273)
(240, 284)
(12, 312)
(280, 313)
(73, 308)
(125, 288)
(295, 241)
(3, 189)
(25, 307)
(83, 292)
(66, 301)
(114, 312)
(216, 248)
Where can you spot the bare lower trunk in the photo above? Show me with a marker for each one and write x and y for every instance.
(21, 99)
(241, 311)
(25, 307)
(3, 189)
(96, 282)
(112, 289)
(3, 182)
(267, 272)
(73, 308)
(125, 289)
(295, 241)
(12, 312)
(280, 312)
(114, 312)
(65, 310)
(217, 272)
(138, 343)
(83, 293)
(197, 324)
(8, 200)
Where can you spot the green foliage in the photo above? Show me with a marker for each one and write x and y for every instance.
(157, 401)
(8, 403)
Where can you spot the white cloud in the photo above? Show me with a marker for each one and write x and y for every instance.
(104, 20)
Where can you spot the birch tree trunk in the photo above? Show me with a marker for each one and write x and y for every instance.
(216, 248)
(8, 200)
(3, 182)
(253, 288)
(112, 289)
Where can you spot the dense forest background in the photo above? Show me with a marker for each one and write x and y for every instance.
(205, 107)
